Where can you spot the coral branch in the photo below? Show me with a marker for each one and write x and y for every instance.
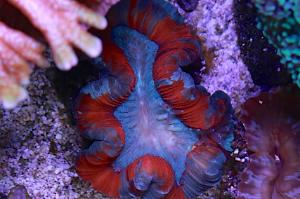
(15, 48)
(59, 22)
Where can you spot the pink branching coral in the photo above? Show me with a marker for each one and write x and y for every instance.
(61, 23)
(14, 70)
(272, 123)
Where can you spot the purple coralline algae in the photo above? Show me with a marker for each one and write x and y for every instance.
(215, 25)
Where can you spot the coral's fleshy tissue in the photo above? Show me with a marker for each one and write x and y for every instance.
(153, 133)
(280, 23)
(59, 22)
(272, 123)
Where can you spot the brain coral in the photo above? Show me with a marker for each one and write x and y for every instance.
(272, 122)
(153, 133)
(280, 22)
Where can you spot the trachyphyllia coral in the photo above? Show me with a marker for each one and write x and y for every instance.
(153, 133)
(59, 22)
(272, 122)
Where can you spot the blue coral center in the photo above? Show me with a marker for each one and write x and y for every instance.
(150, 125)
